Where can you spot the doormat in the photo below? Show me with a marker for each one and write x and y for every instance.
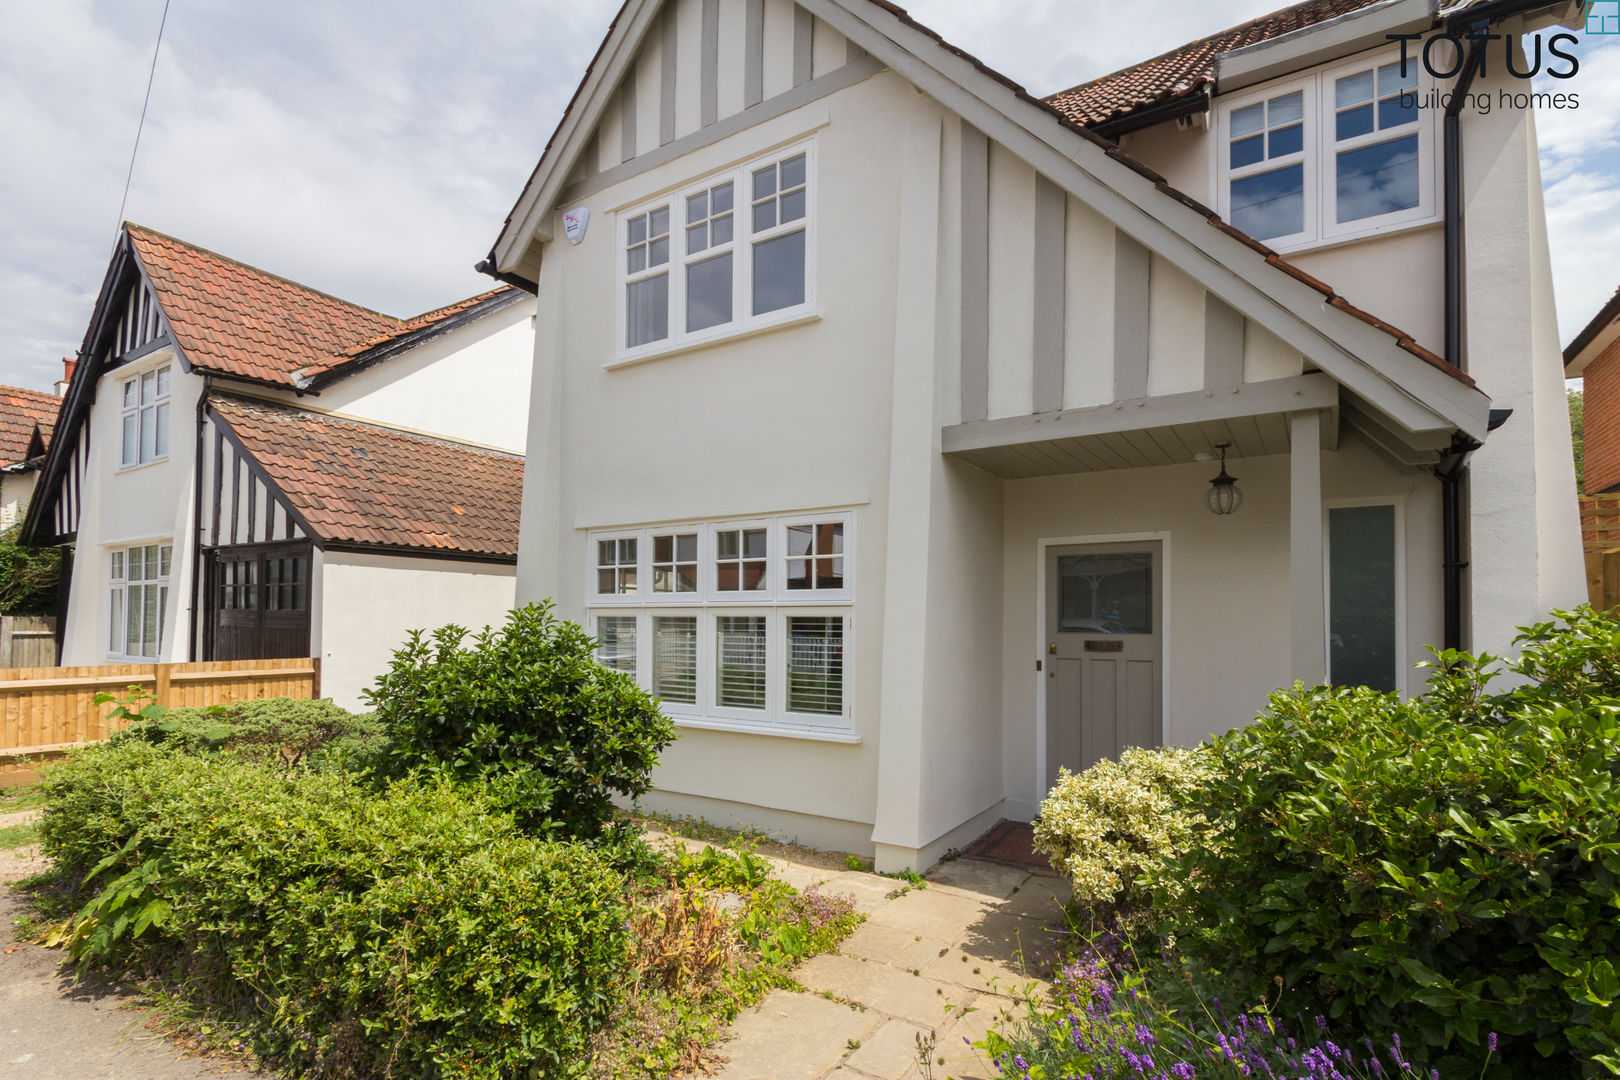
(1008, 843)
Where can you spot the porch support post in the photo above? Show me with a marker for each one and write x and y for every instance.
(1306, 577)
(913, 448)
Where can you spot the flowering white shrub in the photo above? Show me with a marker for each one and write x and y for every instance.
(1103, 827)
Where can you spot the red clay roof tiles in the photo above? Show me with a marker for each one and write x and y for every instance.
(230, 318)
(20, 411)
(363, 483)
(1187, 69)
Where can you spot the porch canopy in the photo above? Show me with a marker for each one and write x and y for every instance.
(1300, 415)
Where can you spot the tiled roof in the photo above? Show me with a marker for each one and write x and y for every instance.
(1186, 70)
(1608, 313)
(230, 318)
(20, 412)
(362, 483)
(403, 330)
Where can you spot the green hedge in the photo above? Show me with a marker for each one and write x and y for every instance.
(1444, 867)
(526, 707)
(281, 731)
(413, 932)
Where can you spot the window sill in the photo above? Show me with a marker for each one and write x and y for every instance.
(1332, 243)
(757, 329)
(737, 727)
(122, 469)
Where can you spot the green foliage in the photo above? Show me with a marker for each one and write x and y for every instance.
(1104, 827)
(1445, 866)
(283, 732)
(855, 862)
(714, 868)
(1577, 432)
(28, 576)
(412, 932)
(528, 708)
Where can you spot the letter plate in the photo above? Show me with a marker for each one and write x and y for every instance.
(1105, 646)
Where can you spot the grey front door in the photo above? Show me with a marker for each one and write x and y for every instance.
(1104, 616)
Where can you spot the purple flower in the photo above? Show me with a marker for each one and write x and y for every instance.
(1490, 1042)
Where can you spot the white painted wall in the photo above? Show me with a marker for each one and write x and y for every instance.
(16, 490)
(1526, 546)
(470, 384)
(370, 603)
(148, 503)
(797, 417)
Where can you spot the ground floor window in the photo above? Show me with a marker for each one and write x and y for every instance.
(740, 622)
(139, 600)
(1363, 596)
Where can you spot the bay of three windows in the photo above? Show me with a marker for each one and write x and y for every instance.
(730, 252)
(1338, 153)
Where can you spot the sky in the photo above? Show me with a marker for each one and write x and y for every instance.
(372, 149)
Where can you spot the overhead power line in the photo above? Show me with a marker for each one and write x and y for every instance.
(130, 175)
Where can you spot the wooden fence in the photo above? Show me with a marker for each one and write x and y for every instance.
(27, 641)
(1600, 537)
(46, 711)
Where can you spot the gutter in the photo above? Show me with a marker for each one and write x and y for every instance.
(198, 586)
(1186, 105)
(487, 266)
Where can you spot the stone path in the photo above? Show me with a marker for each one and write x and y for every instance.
(936, 964)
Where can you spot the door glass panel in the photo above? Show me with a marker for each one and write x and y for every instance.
(1361, 596)
(1106, 593)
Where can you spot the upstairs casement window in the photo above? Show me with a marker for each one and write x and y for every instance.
(729, 254)
(1339, 154)
(145, 417)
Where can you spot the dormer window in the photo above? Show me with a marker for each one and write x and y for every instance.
(145, 417)
(1338, 154)
(723, 256)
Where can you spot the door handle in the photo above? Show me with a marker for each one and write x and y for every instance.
(1051, 648)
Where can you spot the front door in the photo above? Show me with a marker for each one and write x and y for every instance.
(1104, 628)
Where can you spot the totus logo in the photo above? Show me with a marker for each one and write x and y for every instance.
(1547, 58)
(1603, 16)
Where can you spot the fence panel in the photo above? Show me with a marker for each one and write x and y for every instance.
(27, 641)
(45, 711)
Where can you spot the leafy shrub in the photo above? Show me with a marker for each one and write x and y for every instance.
(1104, 827)
(1446, 865)
(28, 576)
(413, 932)
(280, 731)
(527, 707)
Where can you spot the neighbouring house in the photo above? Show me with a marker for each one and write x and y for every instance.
(26, 420)
(1593, 356)
(248, 468)
(877, 403)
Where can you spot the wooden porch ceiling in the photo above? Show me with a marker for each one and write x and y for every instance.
(1177, 428)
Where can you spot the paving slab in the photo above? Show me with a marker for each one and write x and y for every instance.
(793, 1036)
(870, 891)
(963, 1061)
(887, 990)
(890, 1053)
(979, 880)
(893, 945)
(931, 913)
(1040, 897)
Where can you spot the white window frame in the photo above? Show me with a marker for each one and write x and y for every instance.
(1320, 155)
(1403, 669)
(160, 410)
(119, 588)
(776, 604)
(743, 321)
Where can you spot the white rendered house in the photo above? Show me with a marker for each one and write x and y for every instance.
(248, 468)
(876, 402)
